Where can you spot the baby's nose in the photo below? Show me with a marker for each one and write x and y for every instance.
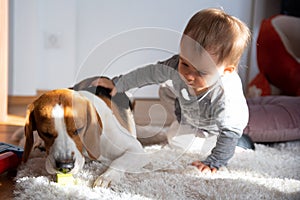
(189, 77)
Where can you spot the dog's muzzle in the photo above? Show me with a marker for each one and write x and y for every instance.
(64, 166)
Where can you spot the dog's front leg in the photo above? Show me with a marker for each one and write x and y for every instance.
(132, 162)
(109, 176)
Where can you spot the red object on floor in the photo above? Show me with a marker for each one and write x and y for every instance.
(8, 160)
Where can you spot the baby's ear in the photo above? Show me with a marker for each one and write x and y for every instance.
(229, 69)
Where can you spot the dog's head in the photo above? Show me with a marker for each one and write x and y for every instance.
(65, 121)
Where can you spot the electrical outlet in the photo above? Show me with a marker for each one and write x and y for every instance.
(53, 40)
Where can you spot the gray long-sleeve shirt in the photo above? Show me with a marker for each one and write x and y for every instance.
(221, 110)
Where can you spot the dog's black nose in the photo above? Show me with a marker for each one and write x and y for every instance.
(65, 166)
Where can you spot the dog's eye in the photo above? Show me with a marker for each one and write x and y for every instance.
(77, 131)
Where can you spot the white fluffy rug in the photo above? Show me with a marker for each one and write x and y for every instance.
(270, 172)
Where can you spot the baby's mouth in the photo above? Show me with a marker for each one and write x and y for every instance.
(191, 84)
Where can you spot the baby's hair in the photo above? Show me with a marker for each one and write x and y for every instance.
(222, 35)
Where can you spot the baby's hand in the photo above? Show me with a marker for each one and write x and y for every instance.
(203, 168)
(104, 82)
(107, 83)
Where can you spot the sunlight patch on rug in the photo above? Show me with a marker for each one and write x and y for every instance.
(270, 172)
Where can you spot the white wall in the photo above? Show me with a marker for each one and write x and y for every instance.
(98, 37)
(102, 25)
(263, 9)
(23, 73)
(36, 62)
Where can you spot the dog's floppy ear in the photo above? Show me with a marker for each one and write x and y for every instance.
(91, 137)
(30, 126)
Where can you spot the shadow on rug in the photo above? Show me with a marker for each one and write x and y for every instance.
(270, 172)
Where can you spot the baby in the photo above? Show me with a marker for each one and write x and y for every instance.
(200, 85)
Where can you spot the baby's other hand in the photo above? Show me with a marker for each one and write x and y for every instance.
(105, 82)
(203, 168)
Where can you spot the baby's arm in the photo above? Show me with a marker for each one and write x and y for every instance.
(220, 155)
(151, 74)
(223, 151)
(231, 119)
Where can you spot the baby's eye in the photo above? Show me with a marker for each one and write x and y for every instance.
(202, 73)
(185, 65)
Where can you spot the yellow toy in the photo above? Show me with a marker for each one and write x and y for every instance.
(65, 179)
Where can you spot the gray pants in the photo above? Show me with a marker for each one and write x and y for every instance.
(179, 135)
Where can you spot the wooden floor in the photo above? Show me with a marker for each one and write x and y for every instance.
(15, 122)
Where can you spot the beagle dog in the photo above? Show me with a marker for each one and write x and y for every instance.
(85, 124)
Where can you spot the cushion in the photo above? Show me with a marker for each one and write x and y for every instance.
(278, 52)
(259, 86)
(273, 118)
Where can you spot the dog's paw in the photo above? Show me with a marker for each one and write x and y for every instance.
(105, 179)
(102, 181)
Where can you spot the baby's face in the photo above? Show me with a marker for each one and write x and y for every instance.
(193, 78)
(196, 66)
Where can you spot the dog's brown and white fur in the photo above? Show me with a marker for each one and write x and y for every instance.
(75, 125)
